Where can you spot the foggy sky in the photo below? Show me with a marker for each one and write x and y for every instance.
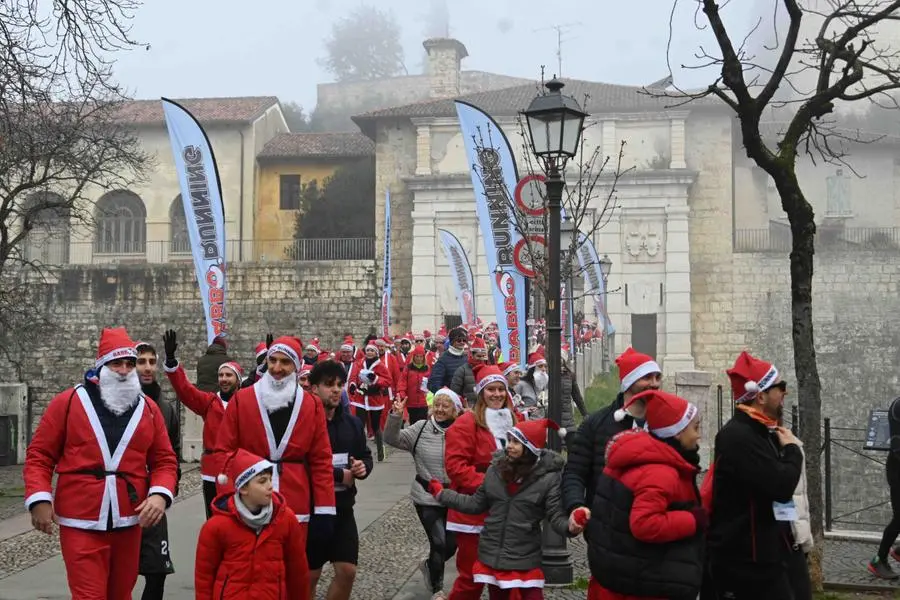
(232, 48)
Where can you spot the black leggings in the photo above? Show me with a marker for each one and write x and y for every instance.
(374, 417)
(893, 528)
(209, 494)
(154, 586)
(442, 543)
(417, 414)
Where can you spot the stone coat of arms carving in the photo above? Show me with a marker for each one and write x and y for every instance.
(644, 241)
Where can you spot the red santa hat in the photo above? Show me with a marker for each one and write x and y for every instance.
(143, 346)
(374, 345)
(417, 351)
(533, 434)
(442, 331)
(477, 345)
(242, 466)
(509, 367)
(261, 349)
(220, 340)
(633, 366)
(749, 376)
(305, 370)
(408, 337)
(666, 414)
(426, 334)
(348, 344)
(289, 346)
(115, 343)
(487, 374)
(536, 358)
(234, 368)
(457, 401)
(313, 345)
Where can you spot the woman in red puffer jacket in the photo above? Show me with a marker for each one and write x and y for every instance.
(412, 386)
(646, 527)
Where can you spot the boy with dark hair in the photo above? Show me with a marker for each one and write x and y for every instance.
(351, 460)
(156, 561)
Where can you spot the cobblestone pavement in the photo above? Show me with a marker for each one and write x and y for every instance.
(845, 564)
(27, 549)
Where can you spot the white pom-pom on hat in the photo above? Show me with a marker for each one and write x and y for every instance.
(562, 431)
(222, 479)
(751, 387)
(620, 415)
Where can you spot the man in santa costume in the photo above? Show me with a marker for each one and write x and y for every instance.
(115, 470)
(278, 420)
(587, 447)
(209, 406)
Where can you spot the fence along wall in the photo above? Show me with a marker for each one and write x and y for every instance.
(856, 312)
(324, 299)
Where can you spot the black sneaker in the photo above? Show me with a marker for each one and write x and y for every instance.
(880, 569)
(426, 574)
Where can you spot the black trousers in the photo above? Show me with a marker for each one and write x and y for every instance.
(798, 575)
(893, 528)
(442, 543)
(417, 414)
(154, 586)
(771, 585)
(209, 494)
(374, 417)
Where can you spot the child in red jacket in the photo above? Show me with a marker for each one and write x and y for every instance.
(253, 547)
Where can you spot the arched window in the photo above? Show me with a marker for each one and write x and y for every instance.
(179, 242)
(48, 240)
(121, 224)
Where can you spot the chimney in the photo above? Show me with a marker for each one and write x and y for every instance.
(444, 58)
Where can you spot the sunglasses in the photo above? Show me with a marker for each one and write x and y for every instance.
(781, 385)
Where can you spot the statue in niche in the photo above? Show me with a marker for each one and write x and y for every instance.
(838, 195)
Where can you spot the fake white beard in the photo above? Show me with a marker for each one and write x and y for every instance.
(276, 394)
(499, 421)
(119, 392)
(541, 380)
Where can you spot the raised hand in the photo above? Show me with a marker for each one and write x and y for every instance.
(170, 343)
(269, 339)
(399, 405)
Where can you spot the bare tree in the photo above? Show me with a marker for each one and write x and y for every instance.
(62, 139)
(846, 63)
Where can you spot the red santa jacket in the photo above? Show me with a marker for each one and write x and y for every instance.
(394, 366)
(232, 561)
(468, 450)
(98, 487)
(383, 383)
(208, 406)
(303, 456)
(411, 386)
(430, 358)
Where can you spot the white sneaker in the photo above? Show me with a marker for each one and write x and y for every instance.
(439, 596)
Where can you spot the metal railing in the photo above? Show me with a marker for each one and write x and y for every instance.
(59, 251)
(589, 361)
(778, 239)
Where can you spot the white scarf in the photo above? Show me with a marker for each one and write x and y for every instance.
(254, 521)
(500, 422)
(276, 394)
(455, 351)
(120, 393)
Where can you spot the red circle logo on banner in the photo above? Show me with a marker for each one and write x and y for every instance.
(528, 195)
(522, 258)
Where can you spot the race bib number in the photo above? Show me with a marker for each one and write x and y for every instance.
(340, 460)
(785, 511)
(424, 385)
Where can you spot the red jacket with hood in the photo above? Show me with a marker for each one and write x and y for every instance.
(410, 384)
(234, 562)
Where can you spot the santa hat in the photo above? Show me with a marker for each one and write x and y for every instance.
(220, 340)
(305, 370)
(313, 345)
(478, 344)
(536, 358)
(114, 344)
(487, 374)
(348, 344)
(666, 414)
(373, 345)
(533, 434)
(261, 349)
(289, 346)
(234, 368)
(417, 351)
(749, 376)
(442, 331)
(633, 366)
(445, 391)
(509, 367)
(426, 334)
(146, 345)
(408, 337)
(242, 466)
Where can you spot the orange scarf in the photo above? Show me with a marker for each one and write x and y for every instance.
(757, 416)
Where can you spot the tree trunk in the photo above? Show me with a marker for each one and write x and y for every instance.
(803, 231)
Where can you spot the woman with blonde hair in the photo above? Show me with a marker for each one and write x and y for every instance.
(471, 444)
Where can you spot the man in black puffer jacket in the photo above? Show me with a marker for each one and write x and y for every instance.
(638, 372)
(445, 367)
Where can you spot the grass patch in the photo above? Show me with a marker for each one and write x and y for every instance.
(602, 391)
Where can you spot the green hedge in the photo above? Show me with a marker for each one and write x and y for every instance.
(602, 391)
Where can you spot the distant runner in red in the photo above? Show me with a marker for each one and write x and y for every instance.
(116, 470)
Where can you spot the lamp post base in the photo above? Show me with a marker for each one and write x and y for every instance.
(556, 562)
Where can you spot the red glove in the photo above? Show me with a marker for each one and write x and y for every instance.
(435, 487)
(581, 516)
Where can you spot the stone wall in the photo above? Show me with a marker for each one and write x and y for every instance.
(856, 312)
(324, 299)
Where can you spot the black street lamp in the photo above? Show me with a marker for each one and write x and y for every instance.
(606, 347)
(555, 123)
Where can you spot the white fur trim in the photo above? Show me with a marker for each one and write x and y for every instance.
(325, 510)
(511, 368)
(287, 350)
(251, 472)
(38, 497)
(457, 401)
(751, 387)
(347, 347)
(488, 380)
(672, 430)
(171, 369)
(562, 431)
(620, 415)
(639, 372)
(228, 365)
(162, 491)
(124, 352)
(754, 387)
(516, 433)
